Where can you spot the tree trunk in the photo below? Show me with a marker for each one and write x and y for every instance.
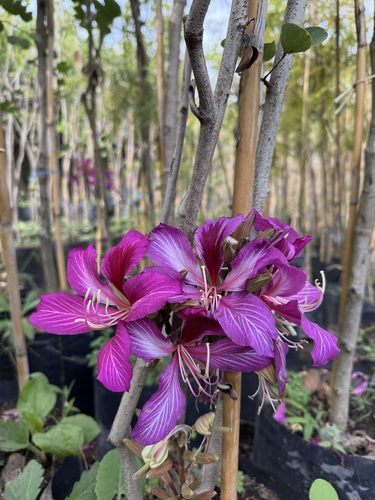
(355, 166)
(363, 228)
(44, 167)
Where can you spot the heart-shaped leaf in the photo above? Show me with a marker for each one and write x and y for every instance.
(294, 39)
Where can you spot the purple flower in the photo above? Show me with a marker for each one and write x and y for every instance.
(360, 383)
(100, 305)
(280, 414)
(194, 359)
(290, 295)
(217, 291)
(291, 244)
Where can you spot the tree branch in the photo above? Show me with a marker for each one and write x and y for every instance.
(295, 11)
(121, 427)
(212, 106)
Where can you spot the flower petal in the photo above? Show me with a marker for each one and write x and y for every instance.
(226, 355)
(197, 328)
(147, 341)
(114, 367)
(61, 313)
(209, 239)
(253, 257)
(248, 322)
(148, 292)
(286, 281)
(281, 349)
(325, 347)
(168, 246)
(161, 412)
(309, 298)
(82, 272)
(123, 257)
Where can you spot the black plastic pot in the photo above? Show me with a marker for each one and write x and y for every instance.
(65, 477)
(297, 463)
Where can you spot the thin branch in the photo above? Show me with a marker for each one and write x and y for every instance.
(273, 106)
(121, 427)
(212, 106)
(170, 192)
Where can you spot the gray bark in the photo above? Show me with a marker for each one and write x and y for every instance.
(170, 192)
(212, 105)
(365, 223)
(273, 106)
(171, 94)
(121, 428)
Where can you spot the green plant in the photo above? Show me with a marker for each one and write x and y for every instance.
(27, 483)
(105, 479)
(29, 302)
(332, 437)
(322, 490)
(36, 427)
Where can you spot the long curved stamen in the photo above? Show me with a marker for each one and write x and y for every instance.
(188, 367)
(111, 316)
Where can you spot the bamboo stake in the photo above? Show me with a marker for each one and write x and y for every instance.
(10, 262)
(53, 154)
(242, 202)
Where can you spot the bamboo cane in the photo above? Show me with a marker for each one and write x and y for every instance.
(10, 262)
(242, 202)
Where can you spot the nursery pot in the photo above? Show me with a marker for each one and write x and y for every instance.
(297, 463)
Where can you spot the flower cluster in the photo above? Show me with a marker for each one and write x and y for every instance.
(224, 304)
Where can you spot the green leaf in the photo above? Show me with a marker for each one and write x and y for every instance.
(37, 394)
(322, 490)
(21, 42)
(269, 51)
(14, 435)
(110, 479)
(1, 27)
(61, 440)
(87, 424)
(84, 489)
(294, 39)
(63, 67)
(318, 35)
(34, 422)
(28, 329)
(27, 484)
(30, 302)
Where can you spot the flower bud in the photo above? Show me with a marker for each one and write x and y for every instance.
(189, 456)
(207, 458)
(155, 454)
(204, 424)
(187, 492)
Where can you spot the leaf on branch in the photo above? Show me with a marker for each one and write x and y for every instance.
(294, 39)
(318, 35)
(269, 51)
(16, 40)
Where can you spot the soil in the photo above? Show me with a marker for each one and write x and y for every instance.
(256, 491)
